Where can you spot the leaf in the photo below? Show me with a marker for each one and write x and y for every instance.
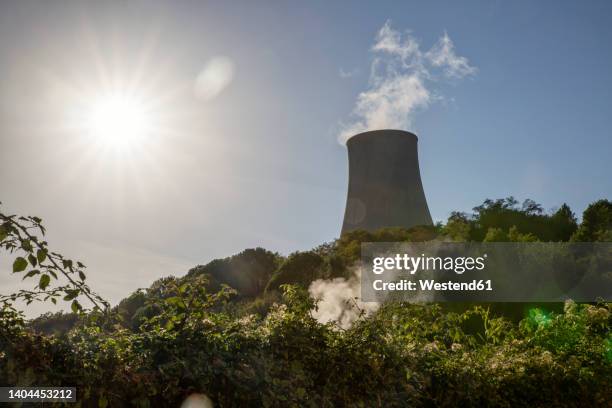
(41, 255)
(3, 233)
(20, 264)
(67, 263)
(81, 275)
(26, 245)
(176, 301)
(102, 402)
(32, 259)
(75, 306)
(31, 273)
(71, 295)
(44, 281)
(54, 300)
(173, 300)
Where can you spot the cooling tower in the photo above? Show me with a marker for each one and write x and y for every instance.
(385, 187)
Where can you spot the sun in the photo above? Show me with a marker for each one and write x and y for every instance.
(118, 121)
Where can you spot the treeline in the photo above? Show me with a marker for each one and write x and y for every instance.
(256, 274)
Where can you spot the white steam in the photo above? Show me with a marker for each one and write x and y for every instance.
(339, 300)
(400, 80)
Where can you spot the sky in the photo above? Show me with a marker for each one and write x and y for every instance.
(245, 105)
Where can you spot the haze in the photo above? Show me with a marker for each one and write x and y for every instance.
(244, 103)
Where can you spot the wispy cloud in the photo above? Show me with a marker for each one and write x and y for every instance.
(347, 74)
(401, 80)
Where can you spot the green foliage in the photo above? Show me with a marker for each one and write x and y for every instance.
(188, 303)
(54, 323)
(299, 268)
(504, 214)
(596, 223)
(348, 247)
(458, 227)
(248, 272)
(195, 334)
(513, 235)
(57, 276)
(406, 354)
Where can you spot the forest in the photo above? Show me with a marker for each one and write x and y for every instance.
(247, 330)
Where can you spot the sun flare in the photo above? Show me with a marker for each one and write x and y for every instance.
(118, 121)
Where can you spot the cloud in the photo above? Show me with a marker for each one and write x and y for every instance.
(214, 78)
(401, 77)
(347, 74)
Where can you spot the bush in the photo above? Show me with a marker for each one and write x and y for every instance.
(404, 355)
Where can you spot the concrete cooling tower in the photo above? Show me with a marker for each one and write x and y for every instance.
(385, 187)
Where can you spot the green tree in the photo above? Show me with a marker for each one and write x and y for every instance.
(596, 223)
(563, 223)
(300, 268)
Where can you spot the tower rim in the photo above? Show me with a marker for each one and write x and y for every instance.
(380, 133)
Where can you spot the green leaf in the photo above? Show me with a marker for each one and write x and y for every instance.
(44, 281)
(67, 263)
(173, 300)
(32, 259)
(176, 301)
(20, 264)
(71, 295)
(75, 306)
(81, 275)
(102, 402)
(26, 245)
(3, 233)
(31, 273)
(41, 255)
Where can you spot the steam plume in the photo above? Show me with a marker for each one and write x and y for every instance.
(339, 300)
(401, 78)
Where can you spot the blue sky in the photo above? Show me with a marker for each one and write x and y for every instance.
(260, 164)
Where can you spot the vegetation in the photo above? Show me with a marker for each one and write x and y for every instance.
(241, 330)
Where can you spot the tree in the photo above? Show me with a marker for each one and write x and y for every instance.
(458, 227)
(596, 223)
(530, 218)
(300, 268)
(564, 223)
